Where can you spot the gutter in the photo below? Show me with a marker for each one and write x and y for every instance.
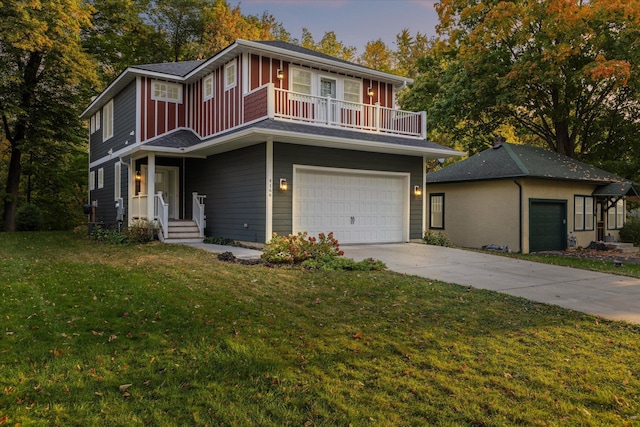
(519, 212)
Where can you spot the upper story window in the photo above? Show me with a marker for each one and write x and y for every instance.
(301, 81)
(164, 91)
(230, 75)
(95, 122)
(353, 91)
(107, 116)
(207, 87)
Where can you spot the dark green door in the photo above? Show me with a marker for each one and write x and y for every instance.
(547, 225)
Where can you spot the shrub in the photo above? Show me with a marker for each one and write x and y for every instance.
(294, 249)
(142, 231)
(436, 238)
(28, 218)
(630, 231)
(219, 241)
(105, 235)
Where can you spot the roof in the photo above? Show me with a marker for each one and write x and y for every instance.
(286, 131)
(178, 69)
(510, 161)
(187, 71)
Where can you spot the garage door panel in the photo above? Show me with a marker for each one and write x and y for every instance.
(547, 225)
(357, 207)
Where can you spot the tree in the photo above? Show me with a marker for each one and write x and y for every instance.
(561, 70)
(409, 50)
(377, 56)
(329, 45)
(181, 23)
(43, 71)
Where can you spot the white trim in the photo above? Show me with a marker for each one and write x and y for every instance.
(92, 180)
(205, 96)
(117, 181)
(269, 190)
(107, 116)
(166, 97)
(100, 178)
(347, 171)
(227, 83)
(138, 108)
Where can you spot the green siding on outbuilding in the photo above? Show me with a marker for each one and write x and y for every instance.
(547, 225)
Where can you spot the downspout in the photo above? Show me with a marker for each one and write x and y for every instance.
(519, 211)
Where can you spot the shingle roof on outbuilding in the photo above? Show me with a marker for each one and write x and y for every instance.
(515, 161)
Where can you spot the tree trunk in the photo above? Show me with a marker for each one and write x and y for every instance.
(13, 181)
(564, 144)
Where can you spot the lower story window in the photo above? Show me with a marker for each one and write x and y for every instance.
(583, 213)
(615, 216)
(436, 218)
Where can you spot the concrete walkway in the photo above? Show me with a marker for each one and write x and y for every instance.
(605, 295)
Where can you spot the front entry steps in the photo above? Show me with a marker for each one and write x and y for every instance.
(625, 248)
(183, 231)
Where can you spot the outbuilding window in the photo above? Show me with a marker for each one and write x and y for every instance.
(615, 216)
(583, 213)
(436, 217)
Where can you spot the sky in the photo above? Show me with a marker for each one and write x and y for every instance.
(355, 22)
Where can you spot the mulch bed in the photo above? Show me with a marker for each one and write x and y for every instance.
(608, 255)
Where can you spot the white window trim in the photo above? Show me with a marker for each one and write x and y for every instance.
(359, 92)
(166, 98)
(107, 115)
(92, 180)
(98, 120)
(92, 125)
(231, 84)
(206, 96)
(117, 178)
(292, 72)
(100, 178)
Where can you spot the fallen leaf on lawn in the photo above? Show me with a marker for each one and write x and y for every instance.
(97, 393)
(4, 419)
(112, 337)
(357, 336)
(123, 387)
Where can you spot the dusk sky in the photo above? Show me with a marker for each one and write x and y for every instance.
(355, 22)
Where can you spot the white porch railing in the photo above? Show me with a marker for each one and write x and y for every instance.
(334, 112)
(161, 214)
(139, 206)
(198, 215)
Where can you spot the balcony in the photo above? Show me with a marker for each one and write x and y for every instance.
(326, 111)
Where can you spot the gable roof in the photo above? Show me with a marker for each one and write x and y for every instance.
(178, 69)
(510, 161)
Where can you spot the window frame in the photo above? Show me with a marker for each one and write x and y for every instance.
(228, 84)
(358, 93)
(100, 178)
(92, 180)
(432, 197)
(107, 115)
(616, 215)
(162, 94)
(92, 124)
(208, 80)
(586, 213)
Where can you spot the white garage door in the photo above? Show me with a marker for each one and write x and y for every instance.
(359, 207)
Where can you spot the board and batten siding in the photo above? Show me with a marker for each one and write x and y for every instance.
(286, 155)
(234, 183)
(124, 122)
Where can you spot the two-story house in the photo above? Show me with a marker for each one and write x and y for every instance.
(263, 137)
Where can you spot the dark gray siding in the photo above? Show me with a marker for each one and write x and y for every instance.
(124, 121)
(234, 183)
(286, 155)
(106, 210)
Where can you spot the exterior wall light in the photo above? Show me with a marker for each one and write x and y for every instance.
(370, 91)
(417, 191)
(283, 184)
(280, 74)
(138, 176)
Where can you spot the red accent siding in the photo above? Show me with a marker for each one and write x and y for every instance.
(254, 74)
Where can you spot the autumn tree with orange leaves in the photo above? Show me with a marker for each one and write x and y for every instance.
(562, 73)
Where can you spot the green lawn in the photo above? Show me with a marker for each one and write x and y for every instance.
(161, 335)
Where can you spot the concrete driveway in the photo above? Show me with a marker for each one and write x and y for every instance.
(605, 295)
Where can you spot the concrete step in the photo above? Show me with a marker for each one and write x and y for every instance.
(626, 248)
(183, 231)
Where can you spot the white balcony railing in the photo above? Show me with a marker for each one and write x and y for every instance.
(139, 206)
(334, 112)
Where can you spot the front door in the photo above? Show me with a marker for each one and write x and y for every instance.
(167, 182)
(328, 89)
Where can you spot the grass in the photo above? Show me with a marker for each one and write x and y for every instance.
(166, 335)
(605, 266)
